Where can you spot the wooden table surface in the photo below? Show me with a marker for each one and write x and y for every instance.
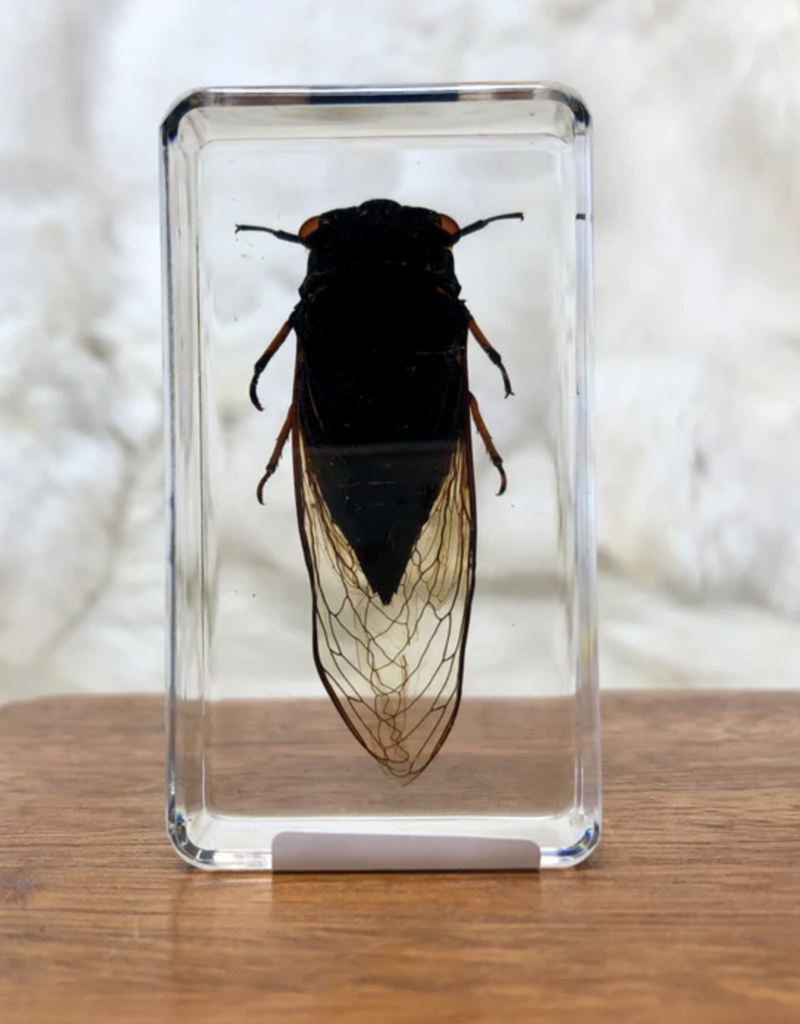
(689, 912)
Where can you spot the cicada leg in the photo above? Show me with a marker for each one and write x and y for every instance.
(492, 353)
(486, 437)
(275, 458)
(262, 361)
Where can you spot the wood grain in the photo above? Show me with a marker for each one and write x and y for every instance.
(689, 912)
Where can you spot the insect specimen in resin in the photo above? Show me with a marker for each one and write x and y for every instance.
(383, 473)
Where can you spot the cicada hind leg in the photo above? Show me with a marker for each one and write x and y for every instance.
(486, 437)
(286, 429)
(277, 451)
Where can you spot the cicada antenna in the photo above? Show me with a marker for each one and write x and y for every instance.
(284, 236)
(479, 225)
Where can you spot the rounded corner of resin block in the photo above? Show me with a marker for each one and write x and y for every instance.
(579, 851)
(192, 99)
(188, 851)
(570, 98)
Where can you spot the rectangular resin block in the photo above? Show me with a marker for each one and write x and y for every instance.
(385, 647)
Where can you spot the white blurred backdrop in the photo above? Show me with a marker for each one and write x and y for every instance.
(697, 198)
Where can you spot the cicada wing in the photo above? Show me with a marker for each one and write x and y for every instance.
(393, 670)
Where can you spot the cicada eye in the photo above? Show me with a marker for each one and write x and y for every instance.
(308, 229)
(448, 224)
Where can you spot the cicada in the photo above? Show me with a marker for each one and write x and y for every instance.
(383, 470)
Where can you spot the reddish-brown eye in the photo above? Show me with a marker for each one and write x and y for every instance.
(448, 224)
(308, 228)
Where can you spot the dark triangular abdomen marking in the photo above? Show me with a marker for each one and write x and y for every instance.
(380, 498)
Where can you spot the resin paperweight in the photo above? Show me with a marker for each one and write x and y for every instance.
(381, 540)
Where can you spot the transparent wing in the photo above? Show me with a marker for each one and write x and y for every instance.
(394, 671)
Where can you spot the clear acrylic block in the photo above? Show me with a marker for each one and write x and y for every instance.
(383, 735)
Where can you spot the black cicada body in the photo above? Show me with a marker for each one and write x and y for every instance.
(384, 482)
